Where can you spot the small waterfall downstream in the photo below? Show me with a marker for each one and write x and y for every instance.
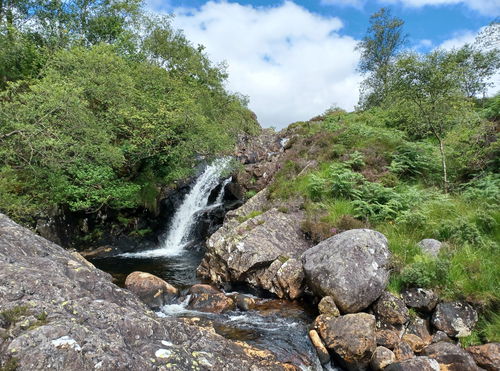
(184, 219)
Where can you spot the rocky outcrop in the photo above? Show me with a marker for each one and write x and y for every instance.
(352, 267)
(456, 319)
(59, 312)
(152, 290)
(487, 356)
(258, 247)
(350, 337)
(450, 357)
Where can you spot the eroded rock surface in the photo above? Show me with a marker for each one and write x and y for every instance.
(424, 300)
(258, 247)
(486, 356)
(59, 312)
(450, 357)
(352, 267)
(391, 309)
(456, 319)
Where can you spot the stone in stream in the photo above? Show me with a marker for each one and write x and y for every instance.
(259, 248)
(58, 312)
(486, 356)
(152, 290)
(457, 319)
(351, 337)
(450, 357)
(206, 298)
(323, 355)
(352, 267)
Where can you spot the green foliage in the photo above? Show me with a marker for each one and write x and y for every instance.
(13, 315)
(425, 272)
(250, 215)
(412, 160)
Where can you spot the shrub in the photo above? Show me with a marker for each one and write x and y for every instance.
(344, 182)
(486, 189)
(411, 160)
(425, 272)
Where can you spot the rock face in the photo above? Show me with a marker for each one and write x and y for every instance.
(457, 319)
(430, 246)
(351, 337)
(391, 309)
(259, 248)
(486, 356)
(351, 267)
(152, 290)
(421, 299)
(59, 312)
(450, 357)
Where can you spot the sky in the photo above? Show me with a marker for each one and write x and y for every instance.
(296, 59)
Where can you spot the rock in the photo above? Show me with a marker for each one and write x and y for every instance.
(152, 290)
(381, 358)
(403, 351)
(391, 309)
(351, 337)
(415, 342)
(244, 302)
(206, 298)
(323, 355)
(352, 267)
(421, 299)
(85, 322)
(430, 246)
(450, 357)
(327, 306)
(261, 250)
(415, 364)
(387, 338)
(441, 336)
(486, 356)
(419, 327)
(457, 319)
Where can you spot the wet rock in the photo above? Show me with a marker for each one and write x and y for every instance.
(244, 302)
(152, 290)
(403, 351)
(352, 267)
(258, 248)
(327, 306)
(206, 298)
(381, 358)
(85, 322)
(457, 319)
(351, 337)
(430, 246)
(421, 299)
(323, 355)
(419, 327)
(387, 338)
(391, 309)
(450, 357)
(486, 356)
(415, 364)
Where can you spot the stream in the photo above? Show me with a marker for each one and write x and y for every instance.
(279, 326)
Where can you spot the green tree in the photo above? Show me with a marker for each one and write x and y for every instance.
(382, 42)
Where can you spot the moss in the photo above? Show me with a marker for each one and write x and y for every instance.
(250, 215)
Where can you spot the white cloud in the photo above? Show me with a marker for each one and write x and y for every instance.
(486, 7)
(291, 63)
(354, 3)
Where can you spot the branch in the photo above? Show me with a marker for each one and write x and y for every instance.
(4, 136)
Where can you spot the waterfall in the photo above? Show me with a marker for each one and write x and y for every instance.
(185, 217)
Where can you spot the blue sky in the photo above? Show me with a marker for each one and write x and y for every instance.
(295, 59)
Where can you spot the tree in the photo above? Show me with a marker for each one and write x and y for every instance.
(383, 40)
(429, 89)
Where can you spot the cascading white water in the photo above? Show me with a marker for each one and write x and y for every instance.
(185, 217)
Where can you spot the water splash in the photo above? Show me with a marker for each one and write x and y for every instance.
(185, 217)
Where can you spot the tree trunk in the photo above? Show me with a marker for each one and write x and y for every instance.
(443, 162)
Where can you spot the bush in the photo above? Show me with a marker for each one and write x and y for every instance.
(411, 160)
(344, 182)
(425, 272)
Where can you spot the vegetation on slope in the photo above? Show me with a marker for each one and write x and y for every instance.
(100, 104)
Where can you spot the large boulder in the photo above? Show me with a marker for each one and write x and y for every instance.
(259, 248)
(456, 319)
(486, 356)
(351, 337)
(352, 267)
(450, 357)
(59, 312)
(152, 290)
